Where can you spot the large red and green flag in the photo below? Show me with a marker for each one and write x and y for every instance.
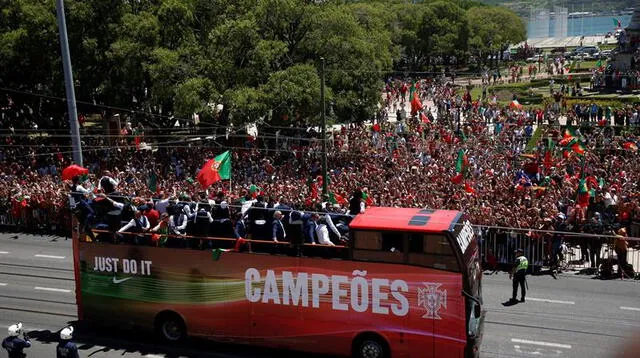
(568, 138)
(216, 169)
(337, 199)
(583, 193)
(616, 23)
(578, 148)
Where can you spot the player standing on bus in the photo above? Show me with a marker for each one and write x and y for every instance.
(519, 274)
(14, 344)
(66, 348)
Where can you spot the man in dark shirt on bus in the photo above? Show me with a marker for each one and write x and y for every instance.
(14, 344)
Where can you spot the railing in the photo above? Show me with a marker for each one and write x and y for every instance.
(498, 249)
(36, 220)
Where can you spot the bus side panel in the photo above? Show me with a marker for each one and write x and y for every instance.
(298, 303)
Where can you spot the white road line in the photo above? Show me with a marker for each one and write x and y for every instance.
(4, 252)
(540, 343)
(629, 308)
(550, 301)
(2, 284)
(50, 256)
(51, 289)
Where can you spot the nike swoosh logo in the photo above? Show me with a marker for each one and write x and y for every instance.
(117, 281)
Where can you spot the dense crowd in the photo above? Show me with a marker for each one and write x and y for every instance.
(409, 161)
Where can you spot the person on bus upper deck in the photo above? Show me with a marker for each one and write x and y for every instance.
(107, 183)
(257, 219)
(178, 223)
(277, 229)
(356, 204)
(66, 348)
(152, 214)
(14, 344)
(138, 224)
(221, 208)
(323, 225)
(240, 228)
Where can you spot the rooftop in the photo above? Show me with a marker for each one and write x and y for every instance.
(406, 219)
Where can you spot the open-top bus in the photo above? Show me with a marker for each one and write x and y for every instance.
(408, 285)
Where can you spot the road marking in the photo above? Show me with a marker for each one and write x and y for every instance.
(50, 256)
(51, 289)
(629, 308)
(550, 301)
(4, 252)
(2, 284)
(540, 343)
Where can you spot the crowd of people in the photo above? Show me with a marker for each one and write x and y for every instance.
(429, 146)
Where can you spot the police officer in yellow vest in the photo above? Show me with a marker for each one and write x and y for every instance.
(518, 274)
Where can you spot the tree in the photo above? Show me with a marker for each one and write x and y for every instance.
(493, 28)
(192, 96)
(294, 92)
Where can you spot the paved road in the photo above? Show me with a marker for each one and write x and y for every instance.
(568, 317)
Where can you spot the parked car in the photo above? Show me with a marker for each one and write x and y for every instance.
(535, 58)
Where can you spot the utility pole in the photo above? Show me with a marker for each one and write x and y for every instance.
(68, 81)
(324, 129)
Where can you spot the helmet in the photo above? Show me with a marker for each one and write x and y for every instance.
(15, 329)
(519, 251)
(66, 333)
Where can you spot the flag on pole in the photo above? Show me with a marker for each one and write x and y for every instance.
(216, 169)
(616, 23)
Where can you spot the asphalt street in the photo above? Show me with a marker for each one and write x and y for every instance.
(571, 316)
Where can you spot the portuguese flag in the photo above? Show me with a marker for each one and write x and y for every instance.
(461, 162)
(216, 169)
(578, 148)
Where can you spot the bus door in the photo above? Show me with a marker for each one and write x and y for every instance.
(439, 294)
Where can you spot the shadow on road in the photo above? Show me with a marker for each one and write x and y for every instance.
(93, 340)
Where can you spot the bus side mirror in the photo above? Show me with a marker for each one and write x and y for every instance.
(477, 310)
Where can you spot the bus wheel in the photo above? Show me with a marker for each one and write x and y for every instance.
(370, 346)
(170, 327)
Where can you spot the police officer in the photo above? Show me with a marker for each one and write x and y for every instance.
(66, 348)
(14, 344)
(518, 274)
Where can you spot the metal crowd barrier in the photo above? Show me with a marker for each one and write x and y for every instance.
(501, 245)
(498, 248)
(44, 221)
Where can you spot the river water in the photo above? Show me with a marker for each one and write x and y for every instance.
(578, 26)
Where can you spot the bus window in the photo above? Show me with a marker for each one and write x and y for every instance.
(378, 246)
(431, 250)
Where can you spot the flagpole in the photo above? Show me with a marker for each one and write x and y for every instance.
(324, 132)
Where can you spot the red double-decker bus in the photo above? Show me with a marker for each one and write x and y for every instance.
(408, 285)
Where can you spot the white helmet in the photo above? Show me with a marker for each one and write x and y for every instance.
(15, 329)
(66, 333)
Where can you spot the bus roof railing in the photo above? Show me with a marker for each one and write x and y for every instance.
(215, 238)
